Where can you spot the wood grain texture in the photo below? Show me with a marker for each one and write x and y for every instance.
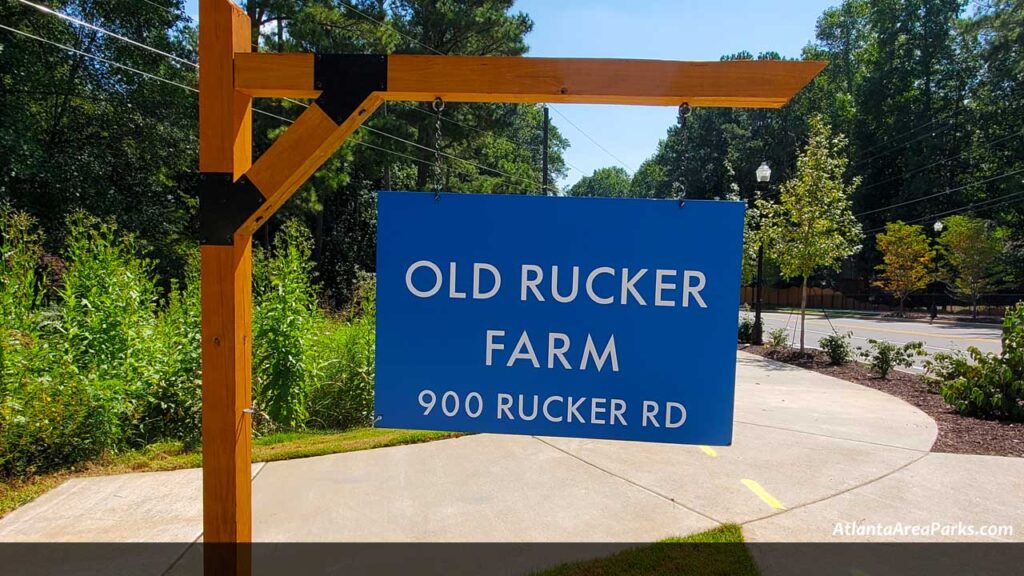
(297, 153)
(225, 145)
(275, 75)
(226, 308)
(746, 83)
(225, 115)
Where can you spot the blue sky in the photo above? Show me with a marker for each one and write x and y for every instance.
(659, 29)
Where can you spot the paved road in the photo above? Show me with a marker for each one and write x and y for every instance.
(809, 452)
(937, 337)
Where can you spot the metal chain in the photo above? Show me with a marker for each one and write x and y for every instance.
(684, 113)
(438, 158)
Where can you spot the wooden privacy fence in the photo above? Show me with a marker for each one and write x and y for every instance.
(994, 304)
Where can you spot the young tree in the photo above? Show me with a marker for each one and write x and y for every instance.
(812, 226)
(907, 260)
(973, 251)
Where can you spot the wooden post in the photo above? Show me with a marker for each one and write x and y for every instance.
(225, 147)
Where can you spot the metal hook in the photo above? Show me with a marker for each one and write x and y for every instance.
(684, 112)
(438, 104)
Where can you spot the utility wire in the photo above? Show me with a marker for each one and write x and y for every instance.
(169, 9)
(385, 24)
(107, 32)
(889, 140)
(937, 162)
(948, 191)
(193, 64)
(192, 89)
(988, 204)
(596, 143)
(99, 58)
(898, 146)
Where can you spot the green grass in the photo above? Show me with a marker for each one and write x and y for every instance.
(720, 551)
(171, 456)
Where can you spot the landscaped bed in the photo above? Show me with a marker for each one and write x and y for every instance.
(957, 434)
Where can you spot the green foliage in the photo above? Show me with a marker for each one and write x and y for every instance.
(777, 338)
(611, 182)
(284, 311)
(812, 225)
(837, 347)
(985, 384)
(883, 356)
(746, 329)
(112, 365)
(973, 250)
(344, 353)
(906, 260)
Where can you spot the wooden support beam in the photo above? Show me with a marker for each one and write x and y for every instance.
(225, 147)
(297, 153)
(737, 83)
(275, 75)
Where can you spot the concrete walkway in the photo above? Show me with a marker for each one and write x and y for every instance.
(810, 453)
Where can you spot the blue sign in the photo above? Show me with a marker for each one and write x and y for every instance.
(582, 317)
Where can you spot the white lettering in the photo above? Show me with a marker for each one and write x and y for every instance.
(589, 351)
(590, 285)
(504, 406)
(558, 351)
(495, 275)
(575, 285)
(531, 283)
(437, 276)
(695, 290)
(518, 354)
(660, 285)
(650, 411)
(492, 345)
(628, 283)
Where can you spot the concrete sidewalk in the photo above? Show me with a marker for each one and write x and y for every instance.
(809, 452)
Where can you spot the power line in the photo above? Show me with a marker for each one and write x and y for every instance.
(904, 133)
(988, 204)
(99, 58)
(937, 162)
(596, 143)
(107, 32)
(898, 146)
(385, 24)
(196, 91)
(948, 191)
(168, 9)
(195, 65)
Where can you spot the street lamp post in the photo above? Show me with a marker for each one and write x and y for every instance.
(764, 174)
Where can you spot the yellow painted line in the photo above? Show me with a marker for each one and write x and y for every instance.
(709, 451)
(763, 494)
(913, 333)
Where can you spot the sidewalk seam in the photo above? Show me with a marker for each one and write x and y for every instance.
(840, 493)
(833, 437)
(630, 482)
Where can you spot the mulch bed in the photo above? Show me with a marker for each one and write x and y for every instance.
(957, 434)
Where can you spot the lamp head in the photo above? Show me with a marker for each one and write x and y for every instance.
(764, 173)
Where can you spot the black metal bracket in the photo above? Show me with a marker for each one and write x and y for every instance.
(224, 206)
(346, 80)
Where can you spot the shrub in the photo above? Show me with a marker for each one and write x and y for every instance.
(343, 395)
(838, 348)
(284, 313)
(883, 356)
(986, 385)
(173, 405)
(777, 338)
(746, 329)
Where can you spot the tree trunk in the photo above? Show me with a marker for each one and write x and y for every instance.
(803, 313)
(902, 300)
